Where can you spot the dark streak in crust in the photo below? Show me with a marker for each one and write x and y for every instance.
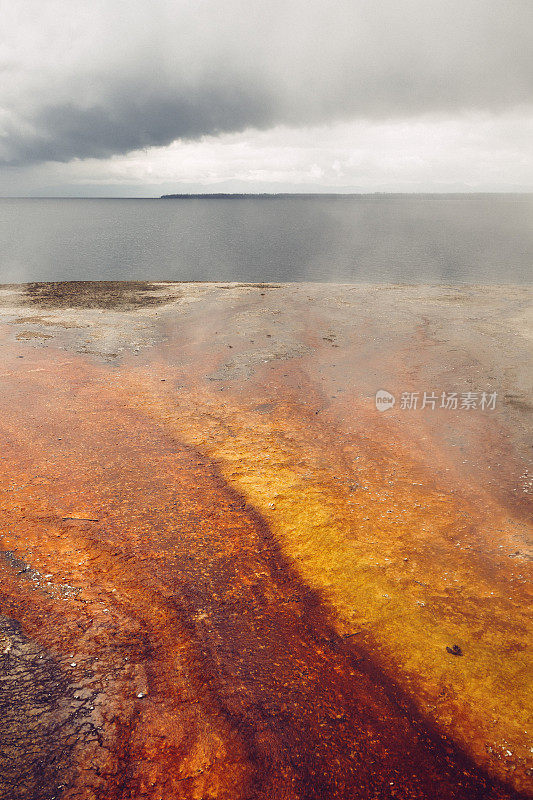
(316, 715)
(358, 716)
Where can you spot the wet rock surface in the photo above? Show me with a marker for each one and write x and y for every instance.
(243, 581)
(36, 718)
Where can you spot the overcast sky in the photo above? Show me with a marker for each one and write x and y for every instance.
(141, 97)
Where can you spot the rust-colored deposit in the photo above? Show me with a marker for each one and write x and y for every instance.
(225, 574)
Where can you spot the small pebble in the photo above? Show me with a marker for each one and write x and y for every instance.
(455, 650)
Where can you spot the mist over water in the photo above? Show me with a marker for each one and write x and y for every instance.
(383, 239)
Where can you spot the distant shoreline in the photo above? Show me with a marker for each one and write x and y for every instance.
(278, 195)
(333, 195)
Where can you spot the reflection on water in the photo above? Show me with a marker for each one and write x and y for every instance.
(394, 239)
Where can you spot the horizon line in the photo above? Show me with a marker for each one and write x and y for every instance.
(243, 195)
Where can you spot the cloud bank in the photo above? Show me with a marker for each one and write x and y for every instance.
(84, 79)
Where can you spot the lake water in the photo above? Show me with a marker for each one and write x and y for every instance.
(385, 239)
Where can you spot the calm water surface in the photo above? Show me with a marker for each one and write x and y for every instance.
(402, 239)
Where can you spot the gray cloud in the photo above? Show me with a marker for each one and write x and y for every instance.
(120, 124)
(88, 78)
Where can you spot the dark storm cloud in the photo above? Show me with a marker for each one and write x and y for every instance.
(85, 79)
(119, 125)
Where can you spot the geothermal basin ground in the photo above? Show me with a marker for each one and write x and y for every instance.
(226, 574)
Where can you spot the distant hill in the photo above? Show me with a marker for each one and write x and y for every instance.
(268, 195)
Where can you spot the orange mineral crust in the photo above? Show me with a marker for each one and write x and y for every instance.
(225, 574)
